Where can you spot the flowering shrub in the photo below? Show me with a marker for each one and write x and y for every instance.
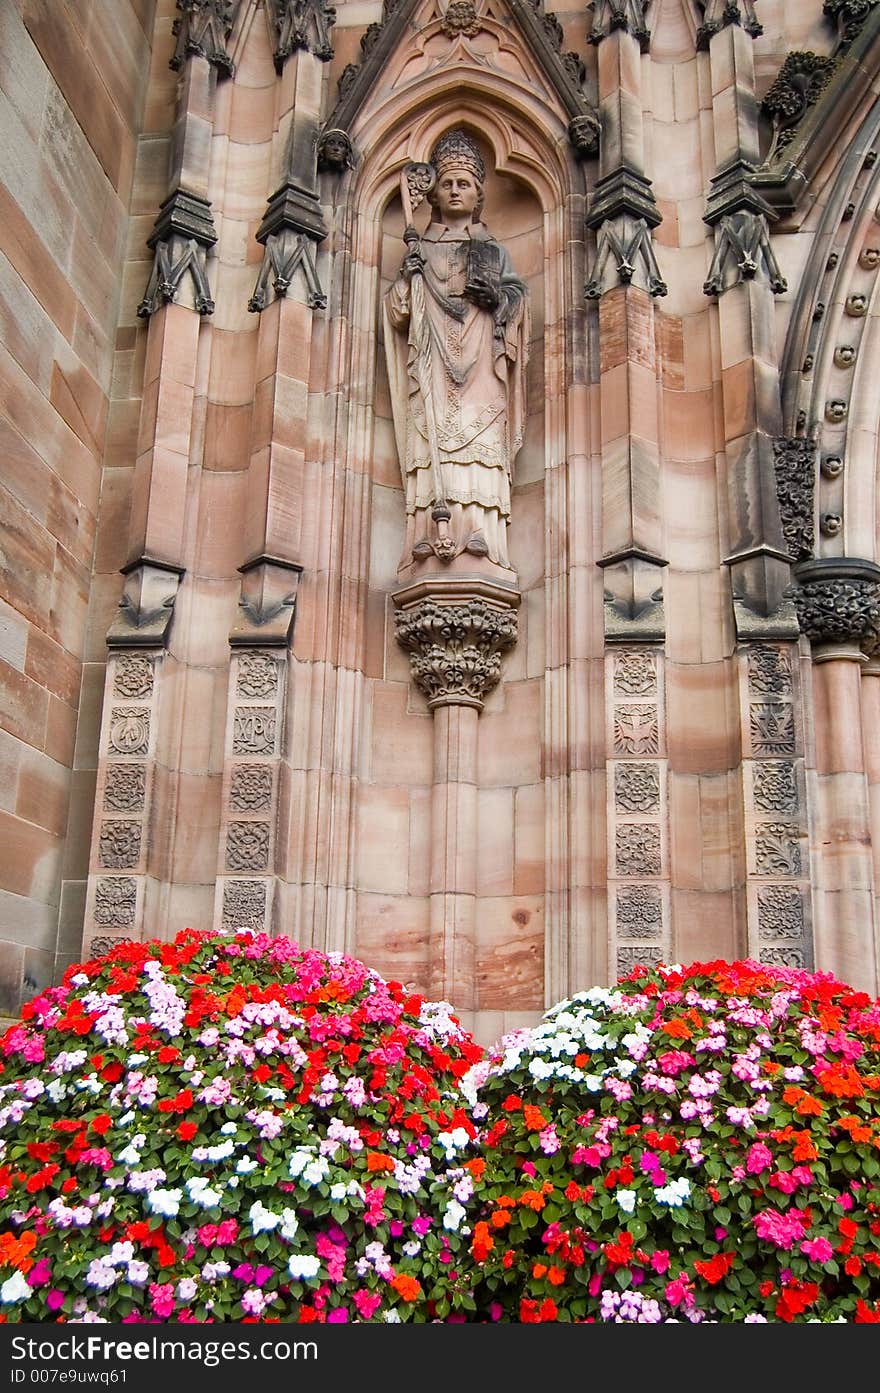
(697, 1144)
(231, 1127)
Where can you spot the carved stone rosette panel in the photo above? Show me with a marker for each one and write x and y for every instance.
(245, 870)
(779, 905)
(637, 819)
(120, 840)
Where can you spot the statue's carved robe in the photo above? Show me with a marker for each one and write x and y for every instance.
(478, 380)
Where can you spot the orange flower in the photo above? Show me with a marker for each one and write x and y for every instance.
(476, 1166)
(15, 1252)
(483, 1242)
(407, 1287)
(792, 1095)
(678, 1029)
(501, 1218)
(556, 1276)
(378, 1161)
(532, 1199)
(810, 1107)
(804, 1150)
(534, 1119)
(539, 1270)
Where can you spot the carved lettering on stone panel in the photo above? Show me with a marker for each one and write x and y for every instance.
(776, 787)
(635, 674)
(636, 730)
(631, 956)
(639, 911)
(119, 846)
(638, 848)
(129, 730)
(637, 788)
(115, 898)
(250, 790)
(257, 676)
(254, 730)
(769, 671)
(133, 677)
(772, 728)
(777, 850)
(244, 904)
(125, 788)
(780, 912)
(247, 846)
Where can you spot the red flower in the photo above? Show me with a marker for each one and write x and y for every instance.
(716, 1269)
(101, 1124)
(186, 1130)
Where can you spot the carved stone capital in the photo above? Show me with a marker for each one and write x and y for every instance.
(456, 633)
(720, 13)
(147, 605)
(301, 24)
(628, 15)
(838, 606)
(202, 30)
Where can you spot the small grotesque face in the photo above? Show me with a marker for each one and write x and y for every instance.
(457, 194)
(334, 150)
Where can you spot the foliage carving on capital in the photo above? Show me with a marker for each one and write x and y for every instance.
(840, 609)
(849, 16)
(456, 648)
(796, 88)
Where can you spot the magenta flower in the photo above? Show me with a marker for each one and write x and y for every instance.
(817, 1249)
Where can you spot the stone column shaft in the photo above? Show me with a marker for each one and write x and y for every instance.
(452, 948)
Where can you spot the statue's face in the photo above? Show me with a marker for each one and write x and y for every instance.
(335, 149)
(457, 193)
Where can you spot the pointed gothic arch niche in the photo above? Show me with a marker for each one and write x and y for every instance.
(535, 200)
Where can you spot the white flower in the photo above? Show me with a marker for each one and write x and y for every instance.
(453, 1216)
(675, 1193)
(299, 1159)
(303, 1266)
(201, 1193)
(15, 1288)
(245, 1165)
(262, 1219)
(540, 1069)
(289, 1223)
(164, 1202)
(627, 1200)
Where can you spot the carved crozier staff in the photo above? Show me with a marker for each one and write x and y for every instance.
(416, 182)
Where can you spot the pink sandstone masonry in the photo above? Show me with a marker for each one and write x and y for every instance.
(229, 693)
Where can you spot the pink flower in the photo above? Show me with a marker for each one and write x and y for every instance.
(339, 1316)
(759, 1158)
(660, 1261)
(55, 1300)
(817, 1249)
(366, 1303)
(40, 1273)
(782, 1230)
(162, 1298)
(678, 1291)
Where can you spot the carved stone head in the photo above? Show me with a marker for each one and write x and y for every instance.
(455, 150)
(335, 151)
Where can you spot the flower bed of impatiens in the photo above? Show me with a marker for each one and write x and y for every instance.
(234, 1128)
(231, 1128)
(696, 1144)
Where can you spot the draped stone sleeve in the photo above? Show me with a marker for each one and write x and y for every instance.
(395, 327)
(512, 340)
